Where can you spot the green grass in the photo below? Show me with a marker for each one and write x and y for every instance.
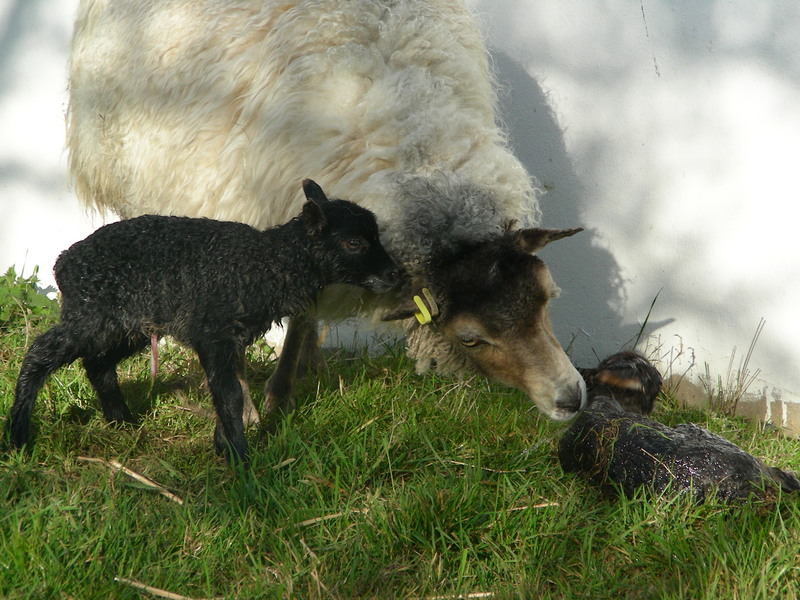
(383, 484)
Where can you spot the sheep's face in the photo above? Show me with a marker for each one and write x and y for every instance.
(493, 301)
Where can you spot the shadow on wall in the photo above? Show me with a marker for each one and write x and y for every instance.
(587, 318)
(11, 29)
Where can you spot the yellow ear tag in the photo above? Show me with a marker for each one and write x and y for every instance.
(434, 308)
(423, 316)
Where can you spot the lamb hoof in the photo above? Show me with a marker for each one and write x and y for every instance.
(119, 418)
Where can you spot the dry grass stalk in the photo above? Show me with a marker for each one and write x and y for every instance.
(113, 464)
(152, 590)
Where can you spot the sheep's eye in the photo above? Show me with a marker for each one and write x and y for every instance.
(355, 244)
(471, 341)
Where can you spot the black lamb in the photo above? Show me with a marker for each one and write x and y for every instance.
(627, 377)
(212, 285)
(617, 448)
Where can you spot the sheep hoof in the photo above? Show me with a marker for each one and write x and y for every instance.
(311, 361)
(250, 414)
(276, 407)
(282, 403)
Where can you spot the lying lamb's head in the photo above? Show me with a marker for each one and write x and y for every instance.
(349, 241)
(490, 314)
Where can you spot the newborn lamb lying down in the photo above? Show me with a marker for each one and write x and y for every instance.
(618, 448)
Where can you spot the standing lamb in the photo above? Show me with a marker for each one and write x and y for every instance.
(209, 108)
(212, 285)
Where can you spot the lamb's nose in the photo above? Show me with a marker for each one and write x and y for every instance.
(391, 277)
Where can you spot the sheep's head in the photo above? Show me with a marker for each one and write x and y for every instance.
(491, 313)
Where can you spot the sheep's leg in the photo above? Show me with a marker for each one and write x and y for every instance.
(221, 363)
(280, 387)
(101, 371)
(311, 359)
(250, 414)
(51, 350)
(153, 356)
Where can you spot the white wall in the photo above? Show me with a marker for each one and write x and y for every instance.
(38, 215)
(670, 129)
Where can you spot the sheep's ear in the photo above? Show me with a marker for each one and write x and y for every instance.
(421, 305)
(532, 240)
(312, 210)
(403, 311)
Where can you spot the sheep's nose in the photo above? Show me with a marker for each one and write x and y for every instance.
(571, 399)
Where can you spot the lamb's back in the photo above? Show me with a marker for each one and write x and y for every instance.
(170, 271)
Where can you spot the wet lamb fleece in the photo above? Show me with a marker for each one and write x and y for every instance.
(212, 285)
(620, 448)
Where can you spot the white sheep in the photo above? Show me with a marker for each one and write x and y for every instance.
(219, 108)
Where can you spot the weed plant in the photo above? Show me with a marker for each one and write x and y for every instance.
(383, 484)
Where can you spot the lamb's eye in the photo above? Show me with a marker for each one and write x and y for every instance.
(355, 244)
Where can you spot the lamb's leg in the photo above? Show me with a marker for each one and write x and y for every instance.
(101, 370)
(280, 387)
(220, 362)
(51, 350)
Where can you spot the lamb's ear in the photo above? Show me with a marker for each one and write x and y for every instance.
(532, 240)
(313, 215)
(313, 192)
